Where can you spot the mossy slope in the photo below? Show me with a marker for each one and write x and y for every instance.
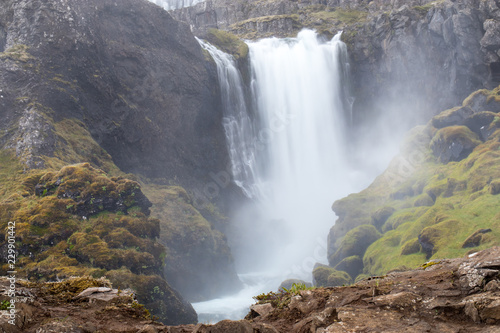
(78, 221)
(427, 206)
(199, 263)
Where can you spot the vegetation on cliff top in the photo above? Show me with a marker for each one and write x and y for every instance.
(227, 42)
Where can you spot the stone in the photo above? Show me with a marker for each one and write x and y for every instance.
(472, 312)
(453, 143)
(397, 300)
(261, 309)
(491, 311)
(493, 285)
(491, 38)
(89, 291)
(479, 123)
(451, 117)
(148, 329)
(475, 239)
(224, 326)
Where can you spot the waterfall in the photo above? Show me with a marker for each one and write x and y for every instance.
(299, 91)
(290, 156)
(175, 4)
(287, 146)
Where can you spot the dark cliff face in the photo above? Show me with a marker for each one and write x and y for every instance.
(408, 57)
(77, 76)
(136, 77)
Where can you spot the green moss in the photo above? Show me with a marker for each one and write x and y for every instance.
(17, 52)
(423, 200)
(227, 42)
(410, 247)
(338, 278)
(355, 242)
(343, 16)
(321, 274)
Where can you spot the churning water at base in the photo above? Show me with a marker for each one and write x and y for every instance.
(288, 150)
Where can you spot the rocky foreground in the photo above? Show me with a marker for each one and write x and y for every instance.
(450, 295)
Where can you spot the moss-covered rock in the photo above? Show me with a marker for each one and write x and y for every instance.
(481, 123)
(439, 204)
(423, 200)
(453, 143)
(227, 42)
(198, 263)
(54, 241)
(475, 239)
(452, 117)
(381, 215)
(495, 187)
(352, 265)
(338, 278)
(410, 247)
(324, 276)
(355, 243)
(320, 275)
(484, 100)
(91, 191)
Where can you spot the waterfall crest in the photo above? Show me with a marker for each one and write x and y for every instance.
(175, 4)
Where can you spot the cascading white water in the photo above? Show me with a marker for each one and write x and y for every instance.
(303, 113)
(290, 157)
(237, 123)
(175, 4)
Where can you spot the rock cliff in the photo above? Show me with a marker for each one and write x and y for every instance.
(133, 75)
(125, 88)
(421, 56)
